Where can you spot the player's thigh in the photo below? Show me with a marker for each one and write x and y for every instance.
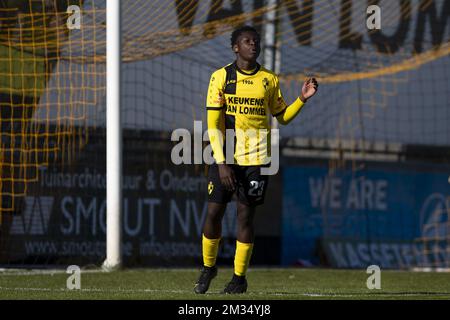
(217, 193)
(253, 186)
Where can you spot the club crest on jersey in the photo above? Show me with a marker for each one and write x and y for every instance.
(265, 83)
(210, 187)
(280, 102)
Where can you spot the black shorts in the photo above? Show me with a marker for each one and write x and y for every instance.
(250, 188)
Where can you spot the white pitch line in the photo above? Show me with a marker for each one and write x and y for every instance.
(327, 295)
(373, 294)
(94, 290)
(22, 272)
(5, 272)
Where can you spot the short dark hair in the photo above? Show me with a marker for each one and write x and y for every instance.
(237, 32)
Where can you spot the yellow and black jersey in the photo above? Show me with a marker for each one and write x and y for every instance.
(246, 100)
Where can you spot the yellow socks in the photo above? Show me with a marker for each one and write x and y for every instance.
(210, 248)
(242, 257)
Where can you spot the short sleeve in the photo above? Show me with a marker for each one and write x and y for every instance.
(277, 104)
(215, 91)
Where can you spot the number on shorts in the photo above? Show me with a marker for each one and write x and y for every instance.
(256, 188)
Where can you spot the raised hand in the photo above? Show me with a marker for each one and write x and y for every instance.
(309, 89)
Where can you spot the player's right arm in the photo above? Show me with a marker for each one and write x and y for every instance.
(215, 106)
(215, 109)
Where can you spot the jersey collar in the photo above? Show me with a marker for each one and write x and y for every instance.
(258, 66)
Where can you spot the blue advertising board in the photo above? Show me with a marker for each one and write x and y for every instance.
(391, 216)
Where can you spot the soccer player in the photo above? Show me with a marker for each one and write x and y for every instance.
(241, 95)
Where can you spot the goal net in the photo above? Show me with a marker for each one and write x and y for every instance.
(361, 149)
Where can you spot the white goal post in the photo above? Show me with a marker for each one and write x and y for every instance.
(113, 259)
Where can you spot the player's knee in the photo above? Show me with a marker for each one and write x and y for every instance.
(215, 213)
(214, 217)
(245, 221)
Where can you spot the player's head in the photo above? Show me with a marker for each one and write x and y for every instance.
(245, 42)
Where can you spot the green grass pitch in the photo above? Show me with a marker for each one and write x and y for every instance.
(264, 284)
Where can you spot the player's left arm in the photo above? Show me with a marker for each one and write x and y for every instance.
(309, 89)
